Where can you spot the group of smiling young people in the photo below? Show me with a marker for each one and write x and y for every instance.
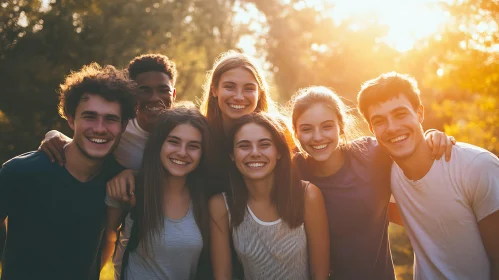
(235, 191)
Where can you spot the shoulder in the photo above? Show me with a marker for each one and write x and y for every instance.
(111, 167)
(471, 156)
(218, 206)
(366, 147)
(26, 162)
(312, 194)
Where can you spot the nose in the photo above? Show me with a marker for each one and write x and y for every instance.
(391, 125)
(99, 127)
(255, 152)
(182, 152)
(155, 96)
(239, 95)
(317, 136)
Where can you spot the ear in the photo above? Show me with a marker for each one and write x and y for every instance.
(278, 156)
(420, 112)
(231, 157)
(71, 122)
(174, 94)
(371, 128)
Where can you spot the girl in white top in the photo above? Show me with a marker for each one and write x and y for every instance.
(278, 223)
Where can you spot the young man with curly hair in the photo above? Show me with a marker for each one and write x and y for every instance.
(155, 75)
(57, 213)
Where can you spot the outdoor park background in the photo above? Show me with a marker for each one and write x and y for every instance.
(449, 46)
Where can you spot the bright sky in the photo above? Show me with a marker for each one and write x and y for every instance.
(407, 20)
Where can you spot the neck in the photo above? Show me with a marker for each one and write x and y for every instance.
(227, 125)
(79, 165)
(260, 190)
(418, 164)
(144, 124)
(175, 185)
(329, 166)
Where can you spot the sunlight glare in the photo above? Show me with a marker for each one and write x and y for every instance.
(407, 20)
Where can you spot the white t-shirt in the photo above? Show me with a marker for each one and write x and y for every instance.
(131, 147)
(441, 212)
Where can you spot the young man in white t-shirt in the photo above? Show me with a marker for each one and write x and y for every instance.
(450, 209)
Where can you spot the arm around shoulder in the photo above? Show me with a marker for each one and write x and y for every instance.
(220, 238)
(317, 230)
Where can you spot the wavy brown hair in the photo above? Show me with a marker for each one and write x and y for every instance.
(287, 192)
(226, 62)
(152, 174)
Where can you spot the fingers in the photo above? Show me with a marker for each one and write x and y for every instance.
(436, 146)
(442, 147)
(448, 149)
(131, 185)
(43, 147)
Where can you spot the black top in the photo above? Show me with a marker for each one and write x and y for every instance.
(356, 199)
(55, 222)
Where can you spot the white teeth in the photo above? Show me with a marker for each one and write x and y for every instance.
(397, 139)
(179, 162)
(256, 164)
(98, 141)
(320, 147)
(154, 109)
(238, 107)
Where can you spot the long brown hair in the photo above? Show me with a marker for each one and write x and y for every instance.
(287, 191)
(226, 62)
(306, 97)
(152, 174)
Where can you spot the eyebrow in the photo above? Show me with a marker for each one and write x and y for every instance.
(93, 113)
(162, 86)
(180, 139)
(320, 123)
(260, 140)
(395, 110)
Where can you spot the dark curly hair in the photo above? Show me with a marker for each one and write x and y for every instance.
(107, 82)
(152, 63)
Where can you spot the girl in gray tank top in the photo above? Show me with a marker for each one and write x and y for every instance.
(278, 223)
(165, 234)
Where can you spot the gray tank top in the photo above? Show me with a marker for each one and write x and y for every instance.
(174, 255)
(270, 250)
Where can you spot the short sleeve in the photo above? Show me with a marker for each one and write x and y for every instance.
(112, 202)
(482, 182)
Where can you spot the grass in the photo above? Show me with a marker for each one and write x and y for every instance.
(400, 246)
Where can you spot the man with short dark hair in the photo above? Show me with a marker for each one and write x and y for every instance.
(57, 213)
(450, 209)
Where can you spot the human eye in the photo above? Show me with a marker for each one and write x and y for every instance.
(266, 144)
(377, 122)
(195, 146)
(229, 86)
(401, 114)
(173, 141)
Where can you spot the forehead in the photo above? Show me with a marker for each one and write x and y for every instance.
(96, 103)
(384, 108)
(186, 132)
(153, 79)
(252, 132)
(238, 75)
(316, 114)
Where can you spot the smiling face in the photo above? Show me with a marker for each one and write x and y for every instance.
(237, 93)
(318, 131)
(255, 153)
(97, 126)
(156, 94)
(181, 152)
(397, 126)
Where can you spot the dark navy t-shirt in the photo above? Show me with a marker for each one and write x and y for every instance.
(356, 199)
(55, 221)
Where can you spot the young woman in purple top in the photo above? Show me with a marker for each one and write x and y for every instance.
(354, 179)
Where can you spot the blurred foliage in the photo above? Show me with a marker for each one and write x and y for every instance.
(40, 45)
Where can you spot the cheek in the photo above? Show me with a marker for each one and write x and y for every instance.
(303, 138)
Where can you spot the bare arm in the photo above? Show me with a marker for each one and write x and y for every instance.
(111, 233)
(53, 146)
(394, 214)
(220, 239)
(316, 227)
(489, 230)
(440, 143)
